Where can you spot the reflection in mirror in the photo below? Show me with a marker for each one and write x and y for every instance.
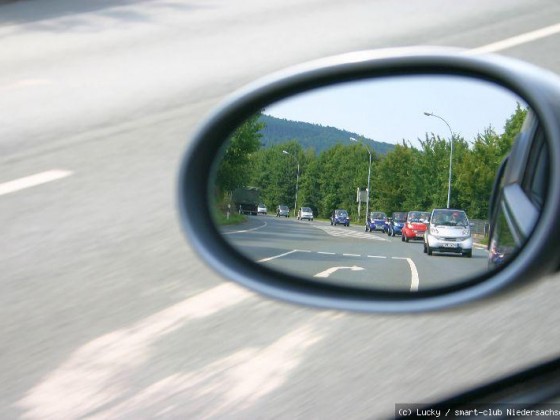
(381, 183)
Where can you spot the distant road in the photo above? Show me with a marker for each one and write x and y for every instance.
(370, 259)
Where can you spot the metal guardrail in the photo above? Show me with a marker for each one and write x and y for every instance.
(480, 227)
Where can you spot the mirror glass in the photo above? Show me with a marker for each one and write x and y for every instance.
(292, 183)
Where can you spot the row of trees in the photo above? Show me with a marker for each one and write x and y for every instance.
(406, 178)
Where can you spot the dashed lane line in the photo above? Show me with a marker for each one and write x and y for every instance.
(245, 230)
(278, 256)
(344, 232)
(33, 180)
(514, 41)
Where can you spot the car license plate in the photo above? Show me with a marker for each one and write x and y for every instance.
(419, 235)
(449, 245)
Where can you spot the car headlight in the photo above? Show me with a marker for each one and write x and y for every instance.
(466, 233)
(434, 231)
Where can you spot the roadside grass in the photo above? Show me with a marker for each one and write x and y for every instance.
(234, 218)
(481, 239)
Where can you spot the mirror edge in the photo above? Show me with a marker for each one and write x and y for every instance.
(539, 88)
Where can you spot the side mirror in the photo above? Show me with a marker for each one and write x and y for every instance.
(342, 267)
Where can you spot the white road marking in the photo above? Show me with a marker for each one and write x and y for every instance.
(33, 180)
(328, 272)
(344, 232)
(516, 40)
(233, 383)
(351, 255)
(375, 256)
(415, 280)
(326, 253)
(103, 371)
(246, 230)
(278, 256)
(24, 83)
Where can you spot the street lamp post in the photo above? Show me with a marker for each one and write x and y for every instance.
(368, 175)
(297, 178)
(431, 114)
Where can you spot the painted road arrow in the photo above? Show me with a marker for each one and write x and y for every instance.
(331, 270)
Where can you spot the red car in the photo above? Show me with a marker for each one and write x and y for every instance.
(415, 226)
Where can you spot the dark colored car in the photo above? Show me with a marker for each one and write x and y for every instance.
(376, 221)
(415, 226)
(340, 217)
(395, 223)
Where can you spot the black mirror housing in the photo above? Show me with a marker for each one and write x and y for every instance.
(540, 254)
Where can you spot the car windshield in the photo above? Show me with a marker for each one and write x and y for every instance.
(341, 213)
(449, 218)
(399, 217)
(417, 216)
(378, 215)
(283, 208)
(306, 209)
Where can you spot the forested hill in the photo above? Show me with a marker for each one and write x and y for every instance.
(313, 136)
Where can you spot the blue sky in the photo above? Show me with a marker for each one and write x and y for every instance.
(391, 109)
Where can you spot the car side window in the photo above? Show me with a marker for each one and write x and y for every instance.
(496, 195)
(535, 181)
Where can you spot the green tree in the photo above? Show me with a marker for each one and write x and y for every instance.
(512, 127)
(477, 171)
(394, 179)
(275, 173)
(339, 171)
(235, 168)
(309, 188)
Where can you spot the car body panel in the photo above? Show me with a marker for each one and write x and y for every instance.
(519, 194)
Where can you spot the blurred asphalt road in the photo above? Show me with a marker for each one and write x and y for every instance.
(106, 312)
